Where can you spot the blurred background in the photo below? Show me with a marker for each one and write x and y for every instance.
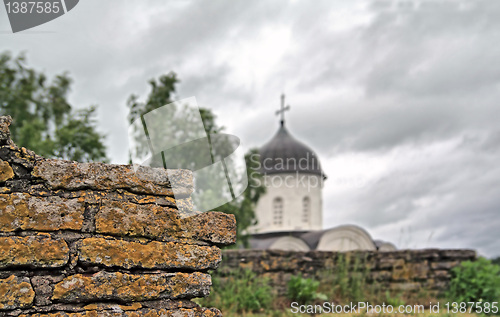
(398, 98)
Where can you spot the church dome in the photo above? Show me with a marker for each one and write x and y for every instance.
(285, 154)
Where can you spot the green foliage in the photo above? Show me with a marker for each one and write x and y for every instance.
(243, 208)
(161, 93)
(395, 301)
(496, 260)
(240, 292)
(304, 290)
(475, 281)
(43, 119)
(348, 281)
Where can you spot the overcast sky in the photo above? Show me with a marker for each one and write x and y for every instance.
(398, 98)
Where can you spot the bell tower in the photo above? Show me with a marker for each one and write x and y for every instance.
(293, 178)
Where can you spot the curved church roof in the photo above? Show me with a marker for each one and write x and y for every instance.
(342, 238)
(285, 154)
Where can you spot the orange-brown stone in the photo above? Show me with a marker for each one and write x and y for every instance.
(131, 287)
(59, 174)
(152, 255)
(215, 227)
(5, 122)
(160, 223)
(33, 251)
(184, 205)
(6, 171)
(123, 218)
(181, 312)
(15, 292)
(23, 211)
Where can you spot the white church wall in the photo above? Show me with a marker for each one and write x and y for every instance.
(291, 188)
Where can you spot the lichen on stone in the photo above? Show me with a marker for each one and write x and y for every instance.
(94, 239)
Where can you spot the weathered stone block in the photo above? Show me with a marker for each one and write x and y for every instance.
(22, 211)
(20, 156)
(441, 274)
(158, 222)
(184, 205)
(43, 286)
(5, 122)
(59, 174)
(388, 263)
(127, 219)
(215, 227)
(131, 287)
(402, 271)
(152, 255)
(401, 274)
(380, 276)
(15, 292)
(162, 304)
(446, 265)
(458, 254)
(34, 251)
(6, 172)
(120, 312)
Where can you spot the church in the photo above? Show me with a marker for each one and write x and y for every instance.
(290, 213)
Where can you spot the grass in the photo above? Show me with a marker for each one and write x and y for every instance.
(288, 314)
(242, 293)
(348, 281)
(238, 292)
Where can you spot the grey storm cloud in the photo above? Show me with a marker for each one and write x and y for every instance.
(421, 74)
(451, 197)
(415, 87)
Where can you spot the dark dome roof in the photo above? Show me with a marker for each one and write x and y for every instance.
(284, 154)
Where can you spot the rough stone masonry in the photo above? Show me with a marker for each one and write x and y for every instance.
(93, 239)
(411, 271)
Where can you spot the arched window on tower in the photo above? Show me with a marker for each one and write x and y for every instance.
(278, 211)
(306, 209)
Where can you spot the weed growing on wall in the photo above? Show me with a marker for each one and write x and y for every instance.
(304, 290)
(348, 280)
(241, 291)
(475, 281)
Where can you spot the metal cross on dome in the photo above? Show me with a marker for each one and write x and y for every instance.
(283, 109)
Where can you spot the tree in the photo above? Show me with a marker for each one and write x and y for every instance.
(43, 119)
(161, 93)
(496, 260)
(243, 207)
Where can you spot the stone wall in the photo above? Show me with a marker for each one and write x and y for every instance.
(92, 239)
(405, 270)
